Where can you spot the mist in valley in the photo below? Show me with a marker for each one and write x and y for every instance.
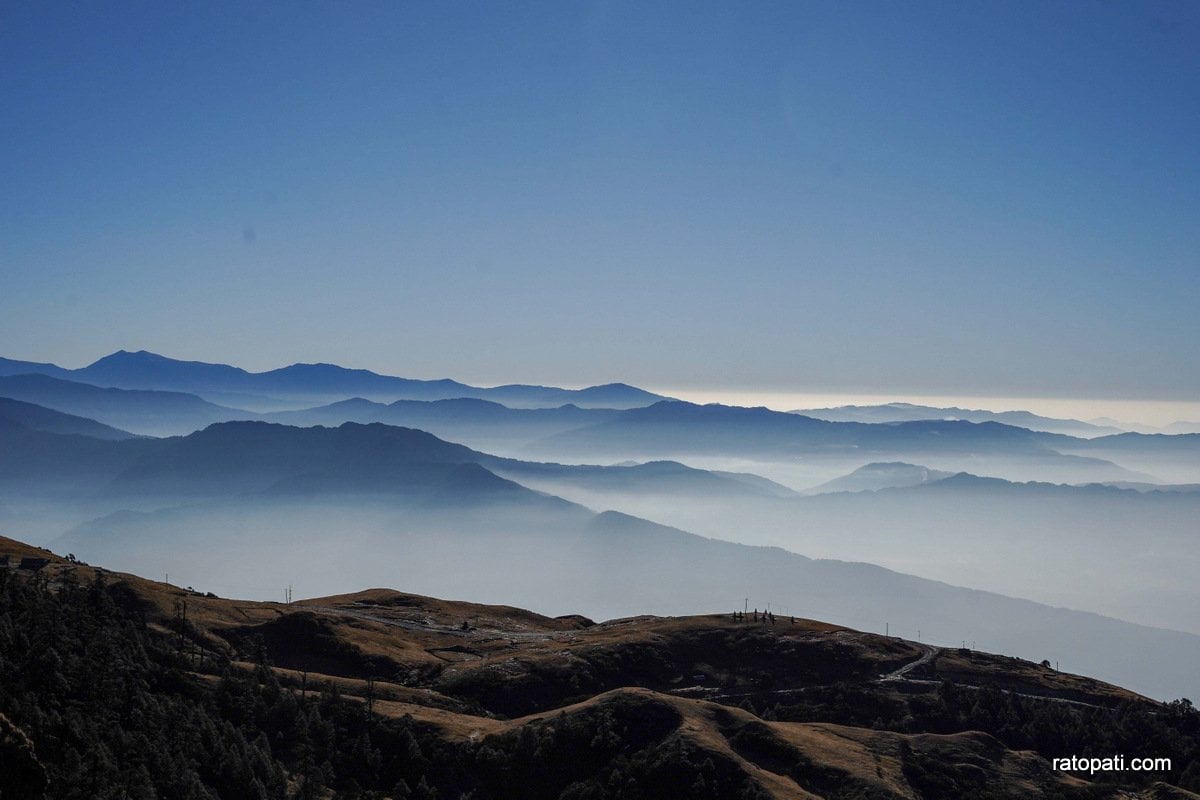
(670, 508)
(568, 560)
(1125, 553)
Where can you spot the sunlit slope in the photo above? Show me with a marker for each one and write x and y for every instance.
(485, 676)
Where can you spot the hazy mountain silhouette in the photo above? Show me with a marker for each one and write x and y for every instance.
(245, 458)
(1185, 443)
(238, 458)
(149, 412)
(673, 430)
(10, 366)
(881, 475)
(1155, 487)
(146, 370)
(315, 382)
(248, 506)
(678, 425)
(482, 424)
(680, 431)
(1122, 552)
(908, 412)
(16, 415)
(663, 478)
(608, 565)
(1169, 458)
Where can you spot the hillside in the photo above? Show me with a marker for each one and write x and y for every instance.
(412, 694)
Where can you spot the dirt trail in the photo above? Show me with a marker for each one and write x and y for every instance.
(925, 658)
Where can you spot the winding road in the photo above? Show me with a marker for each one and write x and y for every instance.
(926, 657)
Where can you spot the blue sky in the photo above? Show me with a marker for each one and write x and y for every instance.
(954, 198)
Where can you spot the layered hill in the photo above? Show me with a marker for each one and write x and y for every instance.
(401, 693)
(147, 412)
(1126, 552)
(20, 417)
(482, 424)
(247, 508)
(679, 430)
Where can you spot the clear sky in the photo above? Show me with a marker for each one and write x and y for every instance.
(941, 198)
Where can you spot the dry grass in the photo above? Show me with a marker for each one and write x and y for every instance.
(1015, 674)
(414, 633)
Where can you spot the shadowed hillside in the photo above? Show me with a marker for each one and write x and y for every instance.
(385, 694)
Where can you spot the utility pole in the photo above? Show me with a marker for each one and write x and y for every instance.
(885, 629)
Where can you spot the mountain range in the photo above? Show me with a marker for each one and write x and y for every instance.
(248, 507)
(909, 412)
(309, 383)
(334, 478)
(152, 395)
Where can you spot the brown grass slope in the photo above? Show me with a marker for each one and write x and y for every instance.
(481, 673)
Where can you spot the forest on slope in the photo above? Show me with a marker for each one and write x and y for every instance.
(107, 694)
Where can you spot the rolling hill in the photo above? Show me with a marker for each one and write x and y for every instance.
(393, 690)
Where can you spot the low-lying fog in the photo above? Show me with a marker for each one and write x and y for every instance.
(567, 560)
(1118, 552)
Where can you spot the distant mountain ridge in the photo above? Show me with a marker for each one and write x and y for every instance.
(482, 424)
(383, 502)
(881, 475)
(670, 425)
(143, 411)
(663, 430)
(315, 382)
(19, 416)
(909, 412)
